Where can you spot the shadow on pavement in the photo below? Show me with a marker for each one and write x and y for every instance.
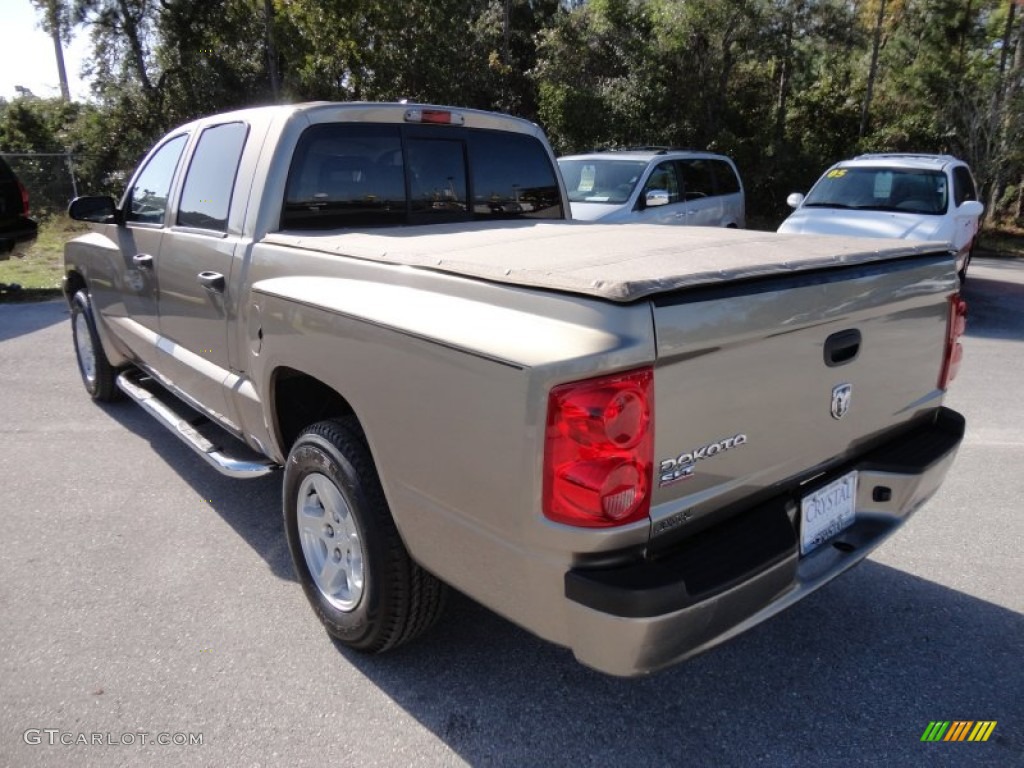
(21, 319)
(852, 676)
(995, 308)
(251, 507)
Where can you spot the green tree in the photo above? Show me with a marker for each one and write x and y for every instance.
(784, 86)
(594, 79)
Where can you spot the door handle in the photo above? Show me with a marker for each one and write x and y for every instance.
(142, 261)
(842, 347)
(211, 281)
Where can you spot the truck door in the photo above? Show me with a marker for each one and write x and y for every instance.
(194, 272)
(133, 278)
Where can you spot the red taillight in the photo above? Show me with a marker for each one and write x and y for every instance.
(599, 450)
(24, 199)
(434, 116)
(954, 351)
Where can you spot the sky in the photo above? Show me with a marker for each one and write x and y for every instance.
(26, 54)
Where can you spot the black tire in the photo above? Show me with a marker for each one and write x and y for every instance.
(99, 378)
(389, 599)
(967, 262)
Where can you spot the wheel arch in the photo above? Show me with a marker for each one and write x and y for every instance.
(299, 400)
(73, 283)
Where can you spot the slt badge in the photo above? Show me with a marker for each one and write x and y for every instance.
(841, 394)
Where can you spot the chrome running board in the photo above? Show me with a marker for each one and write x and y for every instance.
(221, 459)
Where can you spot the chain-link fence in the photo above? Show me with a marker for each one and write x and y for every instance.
(49, 177)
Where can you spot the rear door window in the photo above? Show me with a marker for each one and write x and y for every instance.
(726, 181)
(206, 197)
(698, 178)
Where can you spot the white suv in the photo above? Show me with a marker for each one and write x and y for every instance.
(917, 197)
(655, 186)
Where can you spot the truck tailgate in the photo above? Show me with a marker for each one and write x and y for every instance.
(769, 382)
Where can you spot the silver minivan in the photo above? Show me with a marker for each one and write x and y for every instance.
(655, 186)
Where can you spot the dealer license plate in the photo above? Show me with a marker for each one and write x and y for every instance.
(827, 511)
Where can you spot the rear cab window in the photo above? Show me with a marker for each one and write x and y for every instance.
(359, 175)
(438, 184)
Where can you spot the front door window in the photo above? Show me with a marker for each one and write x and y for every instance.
(147, 199)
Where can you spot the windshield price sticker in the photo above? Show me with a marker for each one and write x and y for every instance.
(587, 175)
(827, 511)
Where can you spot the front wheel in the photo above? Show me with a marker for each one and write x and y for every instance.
(967, 262)
(98, 375)
(363, 585)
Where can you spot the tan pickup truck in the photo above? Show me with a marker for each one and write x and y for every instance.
(632, 440)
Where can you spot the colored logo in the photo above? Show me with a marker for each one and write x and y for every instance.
(958, 730)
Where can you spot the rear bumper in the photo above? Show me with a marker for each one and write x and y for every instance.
(633, 619)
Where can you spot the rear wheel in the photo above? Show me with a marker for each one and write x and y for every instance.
(98, 375)
(363, 585)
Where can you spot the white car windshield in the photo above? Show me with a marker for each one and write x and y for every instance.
(601, 181)
(900, 190)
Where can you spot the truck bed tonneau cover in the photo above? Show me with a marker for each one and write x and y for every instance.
(608, 261)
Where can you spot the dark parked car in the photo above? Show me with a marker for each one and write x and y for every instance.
(17, 230)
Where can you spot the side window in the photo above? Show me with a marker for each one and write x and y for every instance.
(147, 199)
(963, 185)
(698, 179)
(725, 177)
(206, 197)
(513, 177)
(437, 176)
(664, 177)
(346, 175)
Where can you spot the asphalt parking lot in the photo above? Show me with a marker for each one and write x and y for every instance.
(142, 593)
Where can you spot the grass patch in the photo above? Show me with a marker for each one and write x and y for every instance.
(40, 270)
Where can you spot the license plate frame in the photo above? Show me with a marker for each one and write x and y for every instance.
(827, 511)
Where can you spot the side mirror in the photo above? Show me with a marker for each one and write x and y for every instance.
(794, 200)
(98, 210)
(655, 198)
(971, 208)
